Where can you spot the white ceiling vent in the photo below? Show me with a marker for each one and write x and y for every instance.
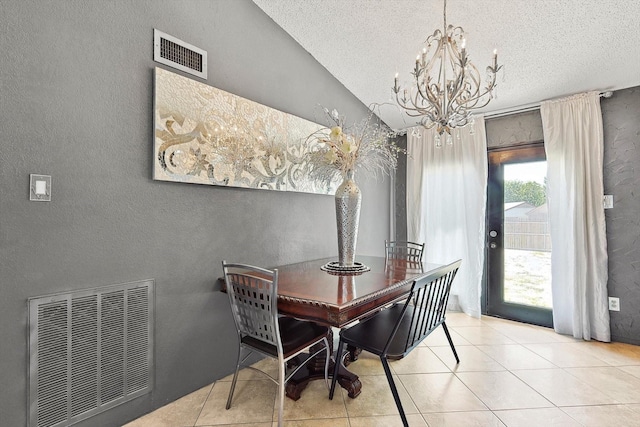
(175, 53)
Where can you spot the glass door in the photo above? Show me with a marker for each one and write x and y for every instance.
(518, 268)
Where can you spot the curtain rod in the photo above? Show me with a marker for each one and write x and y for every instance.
(507, 112)
(530, 107)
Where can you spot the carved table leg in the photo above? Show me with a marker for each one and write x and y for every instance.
(353, 353)
(315, 370)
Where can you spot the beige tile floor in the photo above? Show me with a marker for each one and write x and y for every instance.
(510, 374)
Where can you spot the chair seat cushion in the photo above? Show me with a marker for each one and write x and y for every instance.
(295, 335)
(372, 334)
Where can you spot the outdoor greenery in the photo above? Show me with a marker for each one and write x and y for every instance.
(531, 192)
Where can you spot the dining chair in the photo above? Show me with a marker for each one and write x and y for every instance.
(253, 294)
(410, 251)
(394, 332)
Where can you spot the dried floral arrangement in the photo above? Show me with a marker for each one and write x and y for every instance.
(339, 150)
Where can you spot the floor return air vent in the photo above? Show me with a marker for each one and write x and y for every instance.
(89, 351)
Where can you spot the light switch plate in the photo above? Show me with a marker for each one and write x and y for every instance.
(608, 201)
(40, 188)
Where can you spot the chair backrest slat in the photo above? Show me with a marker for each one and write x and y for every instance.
(253, 296)
(422, 321)
(425, 308)
(436, 307)
(430, 304)
(409, 251)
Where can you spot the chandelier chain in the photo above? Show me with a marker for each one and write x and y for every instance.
(445, 14)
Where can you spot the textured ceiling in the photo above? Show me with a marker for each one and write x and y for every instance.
(549, 48)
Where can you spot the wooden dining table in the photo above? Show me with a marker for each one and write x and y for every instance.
(307, 292)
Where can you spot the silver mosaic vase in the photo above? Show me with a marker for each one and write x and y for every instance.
(348, 200)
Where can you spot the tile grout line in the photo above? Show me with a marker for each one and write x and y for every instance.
(213, 384)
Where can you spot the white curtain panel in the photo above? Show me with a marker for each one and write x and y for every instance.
(573, 140)
(446, 202)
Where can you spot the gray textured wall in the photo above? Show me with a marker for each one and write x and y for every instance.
(400, 193)
(621, 119)
(517, 129)
(76, 100)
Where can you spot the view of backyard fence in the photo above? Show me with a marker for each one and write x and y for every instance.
(527, 260)
(525, 233)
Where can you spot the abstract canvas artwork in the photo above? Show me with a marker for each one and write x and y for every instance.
(205, 135)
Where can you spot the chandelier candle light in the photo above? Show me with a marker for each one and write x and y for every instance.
(446, 86)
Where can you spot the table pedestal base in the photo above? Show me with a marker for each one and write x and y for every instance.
(315, 371)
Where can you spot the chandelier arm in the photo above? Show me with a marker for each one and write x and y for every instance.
(416, 113)
(473, 101)
(438, 37)
(444, 101)
(455, 104)
(419, 92)
(430, 93)
(456, 60)
(483, 99)
(456, 90)
(411, 111)
(468, 90)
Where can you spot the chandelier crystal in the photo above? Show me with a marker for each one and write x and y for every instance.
(446, 86)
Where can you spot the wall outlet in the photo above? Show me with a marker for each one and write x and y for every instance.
(614, 304)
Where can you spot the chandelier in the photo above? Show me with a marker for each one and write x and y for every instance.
(446, 86)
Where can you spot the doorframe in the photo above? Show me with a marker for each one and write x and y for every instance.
(534, 315)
